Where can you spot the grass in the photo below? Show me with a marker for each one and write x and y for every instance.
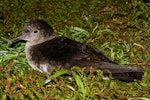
(118, 28)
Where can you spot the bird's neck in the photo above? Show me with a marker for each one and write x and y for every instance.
(40, 40)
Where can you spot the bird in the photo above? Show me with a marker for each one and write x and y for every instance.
(45, 51)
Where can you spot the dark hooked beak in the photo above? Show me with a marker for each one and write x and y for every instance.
(16, 39)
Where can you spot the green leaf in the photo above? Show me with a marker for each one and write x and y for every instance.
(59, 73)
(79, 82)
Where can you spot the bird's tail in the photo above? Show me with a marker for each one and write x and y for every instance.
(128, 76)
(122, 73)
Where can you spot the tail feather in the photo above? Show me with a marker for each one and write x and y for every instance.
(128, 76)
(122, 73)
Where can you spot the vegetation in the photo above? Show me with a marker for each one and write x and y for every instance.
(119, 28)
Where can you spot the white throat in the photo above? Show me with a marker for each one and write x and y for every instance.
(41, 40)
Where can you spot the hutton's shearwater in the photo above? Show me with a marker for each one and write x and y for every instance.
(45, 51)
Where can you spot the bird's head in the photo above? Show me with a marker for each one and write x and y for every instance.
(34, 32)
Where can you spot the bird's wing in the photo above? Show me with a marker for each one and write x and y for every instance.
(64, 49)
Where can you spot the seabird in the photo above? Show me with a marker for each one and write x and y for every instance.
(45, 51)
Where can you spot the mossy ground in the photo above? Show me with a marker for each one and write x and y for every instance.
(119, 28)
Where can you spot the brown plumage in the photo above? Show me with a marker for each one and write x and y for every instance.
(45, 51)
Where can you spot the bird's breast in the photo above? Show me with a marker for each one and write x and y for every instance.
(29, 56)
(36, 62)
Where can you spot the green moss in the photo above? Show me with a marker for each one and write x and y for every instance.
(118, 28)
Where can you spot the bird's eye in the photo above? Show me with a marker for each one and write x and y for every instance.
(35, 31)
